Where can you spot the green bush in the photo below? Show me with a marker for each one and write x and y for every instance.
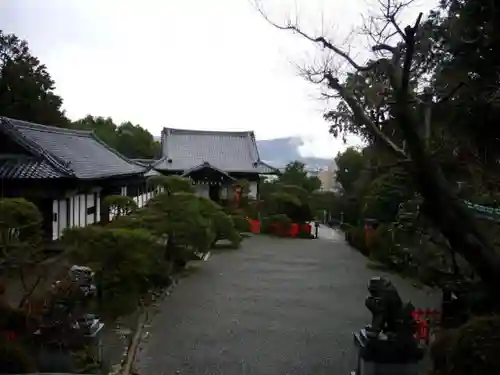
(128, 263)
(24, 217)
(278, 224)
(241, 224)
(356, 238)
(380, 248)
(224, 228)
(253, 209)
(124, 257)
(222, 224)
(172, 184)
(386, 193)
(180, 218)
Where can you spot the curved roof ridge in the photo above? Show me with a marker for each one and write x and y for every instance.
(58, 163)
(206, 131)
(53, 129)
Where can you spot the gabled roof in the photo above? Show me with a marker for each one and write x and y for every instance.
(206, 165)
(227, 151)
(68, 152)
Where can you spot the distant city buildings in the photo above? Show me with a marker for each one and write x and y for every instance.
(327, 176)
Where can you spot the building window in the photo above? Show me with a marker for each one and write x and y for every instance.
(91, 210)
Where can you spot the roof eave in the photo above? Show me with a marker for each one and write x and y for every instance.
(209, 166)
(58, 164)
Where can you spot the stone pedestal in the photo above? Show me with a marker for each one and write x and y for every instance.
(386, 356)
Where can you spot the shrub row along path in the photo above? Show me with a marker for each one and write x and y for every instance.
(274, 307)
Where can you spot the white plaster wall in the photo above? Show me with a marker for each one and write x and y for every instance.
(63, 217)
(74, 209)
(55, 222)
(223, 192)
(83, 210)
(98, 206)
(90, 204)
(252, 190)
(71, 222)
(143, 198)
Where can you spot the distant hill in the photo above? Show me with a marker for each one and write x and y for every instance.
(280, 151)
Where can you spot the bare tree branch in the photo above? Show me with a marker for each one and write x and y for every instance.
(318, 40)
(362, 117)
(441, 204)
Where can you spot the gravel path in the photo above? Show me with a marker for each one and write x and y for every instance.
(275, 307)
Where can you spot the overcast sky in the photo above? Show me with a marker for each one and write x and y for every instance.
(199, 64)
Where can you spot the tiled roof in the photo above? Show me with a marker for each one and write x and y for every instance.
(76, 153)
(206, 165)
(227, 151)
(13, 166)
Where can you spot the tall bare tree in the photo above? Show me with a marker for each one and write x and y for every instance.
(400, 63)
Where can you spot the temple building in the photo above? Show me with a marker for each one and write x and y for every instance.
(213, 160)
(67, 173)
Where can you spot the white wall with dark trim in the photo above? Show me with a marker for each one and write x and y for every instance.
(75, 210)
(78, 209)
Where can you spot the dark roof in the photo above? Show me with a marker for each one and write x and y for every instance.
(72, 153)
(228, 151)
(206, 165)
(14, 166)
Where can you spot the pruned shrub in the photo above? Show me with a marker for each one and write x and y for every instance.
(222, 225)
(172, 184)
(241, 224)
(124, 257)
(380, 246)
(278, 224)
(356, 238)
(179, 218)
(20, 229)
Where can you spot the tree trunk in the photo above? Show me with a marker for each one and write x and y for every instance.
(444, 208)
